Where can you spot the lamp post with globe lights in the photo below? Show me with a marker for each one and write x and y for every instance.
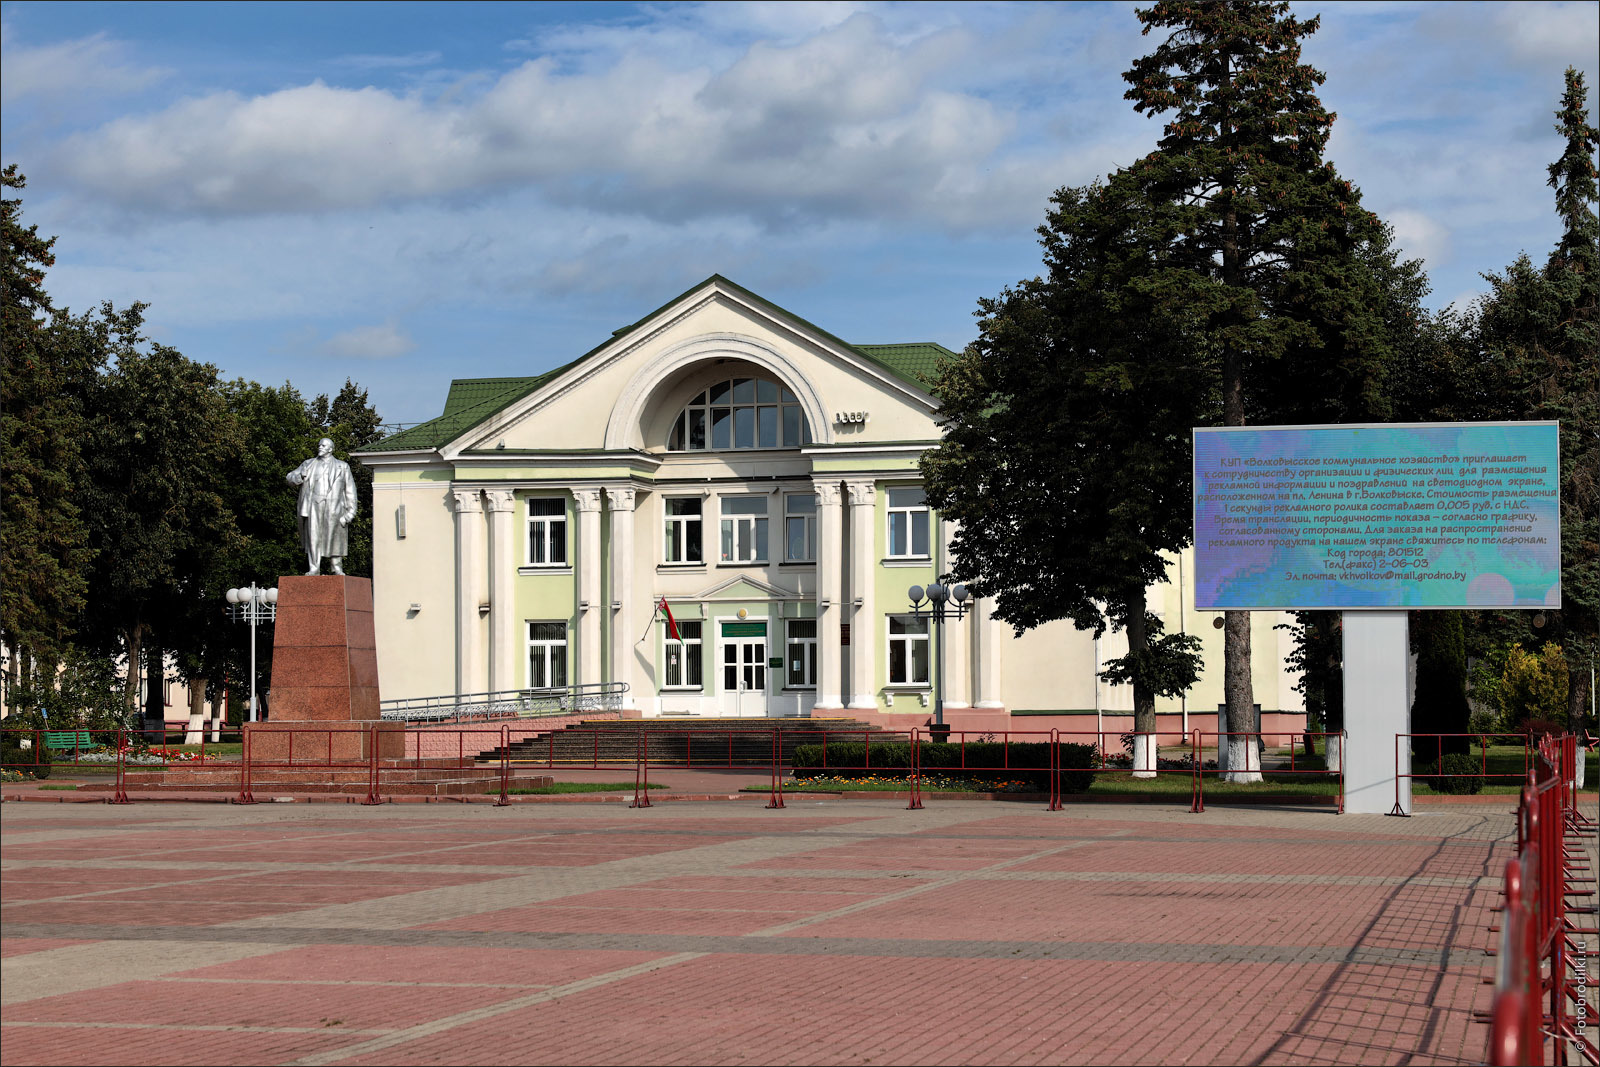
(254, 605)
(939, 602)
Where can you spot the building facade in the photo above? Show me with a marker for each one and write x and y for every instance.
(757, 476)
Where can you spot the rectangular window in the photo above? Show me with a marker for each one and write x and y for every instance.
(800, 527)
(802, 634)
(547, 655)
(744, 529)
(683, 529)
(547, 532)
(908, 523)
(908, 650)
(683, 657)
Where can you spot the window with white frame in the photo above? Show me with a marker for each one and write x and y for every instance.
(683, 529)
(800, 528)
(547, 531)
(908, 650)
(802, 648)
(547, 655)
(740, 413)
(908, 523)
(683, 657)
(744, 529)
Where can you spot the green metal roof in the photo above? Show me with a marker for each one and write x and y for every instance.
(474, 400)
(917, 361)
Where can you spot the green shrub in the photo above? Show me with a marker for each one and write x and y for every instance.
(1458, 774)
(984, 760)
(13, 757)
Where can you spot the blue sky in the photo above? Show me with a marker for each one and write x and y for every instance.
(405, 194)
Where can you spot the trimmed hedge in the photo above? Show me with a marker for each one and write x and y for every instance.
(1459, 774)
(985, 761)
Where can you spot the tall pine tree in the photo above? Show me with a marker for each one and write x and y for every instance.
(1537, 356)
(1277, 250)
(44, 549)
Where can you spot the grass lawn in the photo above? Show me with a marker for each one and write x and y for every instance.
(572, 787)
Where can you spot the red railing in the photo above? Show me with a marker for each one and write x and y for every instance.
(1542, 982)
(1254, 764)
(1404, 773)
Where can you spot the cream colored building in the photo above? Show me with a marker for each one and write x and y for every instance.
(760, 475)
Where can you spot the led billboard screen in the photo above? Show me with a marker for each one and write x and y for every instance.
(1449, 515)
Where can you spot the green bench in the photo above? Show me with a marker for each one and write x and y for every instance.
(67, 740)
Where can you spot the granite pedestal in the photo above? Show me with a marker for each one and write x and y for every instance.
(325, 676)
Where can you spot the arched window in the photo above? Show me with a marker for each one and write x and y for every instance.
(740, 413)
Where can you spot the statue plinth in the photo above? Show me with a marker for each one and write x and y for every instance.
(324, 675)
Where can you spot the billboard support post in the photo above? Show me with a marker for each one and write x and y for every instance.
(1377, 657)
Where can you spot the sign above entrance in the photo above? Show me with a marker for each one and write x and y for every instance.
(744, 629)
(1445, 515)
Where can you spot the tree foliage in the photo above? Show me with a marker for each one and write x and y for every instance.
(1065, 459)
(1290, 276)
(159, 434)
(1534, 686)
(1535, 354)
(1440, 705)
(44, 549)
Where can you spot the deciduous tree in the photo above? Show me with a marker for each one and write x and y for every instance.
(1066, 458)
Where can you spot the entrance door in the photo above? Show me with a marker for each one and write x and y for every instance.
(744, 669)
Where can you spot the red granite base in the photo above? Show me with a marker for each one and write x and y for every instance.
(324, 651)
(327, 742)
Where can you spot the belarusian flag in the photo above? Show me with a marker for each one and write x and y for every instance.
(672, 624)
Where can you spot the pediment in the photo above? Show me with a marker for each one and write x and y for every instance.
(744, 587)
(605, 401)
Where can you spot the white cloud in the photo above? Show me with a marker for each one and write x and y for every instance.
(1421, 236)
(383, 341)
(84, 66)
(848, 122)
(367, 61)
(1550, 34)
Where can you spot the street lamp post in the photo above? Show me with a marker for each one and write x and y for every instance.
(939, 602)
(253, 605)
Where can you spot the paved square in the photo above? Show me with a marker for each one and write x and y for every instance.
(841, 931)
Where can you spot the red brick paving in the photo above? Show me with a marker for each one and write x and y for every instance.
(19, 946)
(694, 934)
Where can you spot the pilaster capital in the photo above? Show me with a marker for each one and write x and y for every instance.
(827, 494)
(862, 493)
(500, 500)
(466, 501)
(586, 499)
(621, 498)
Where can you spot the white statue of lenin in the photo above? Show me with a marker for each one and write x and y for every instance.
(327, 504)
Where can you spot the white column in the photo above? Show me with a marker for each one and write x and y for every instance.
(830, 582)
(863, 571)
(469, 566)
(986, 638)
(502, 589)
(590, 564)
(957, 646)
(624, 654)
(1376, 712)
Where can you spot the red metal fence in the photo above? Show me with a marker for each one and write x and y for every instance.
(1543, 980)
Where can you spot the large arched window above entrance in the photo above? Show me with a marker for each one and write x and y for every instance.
(740, 413)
